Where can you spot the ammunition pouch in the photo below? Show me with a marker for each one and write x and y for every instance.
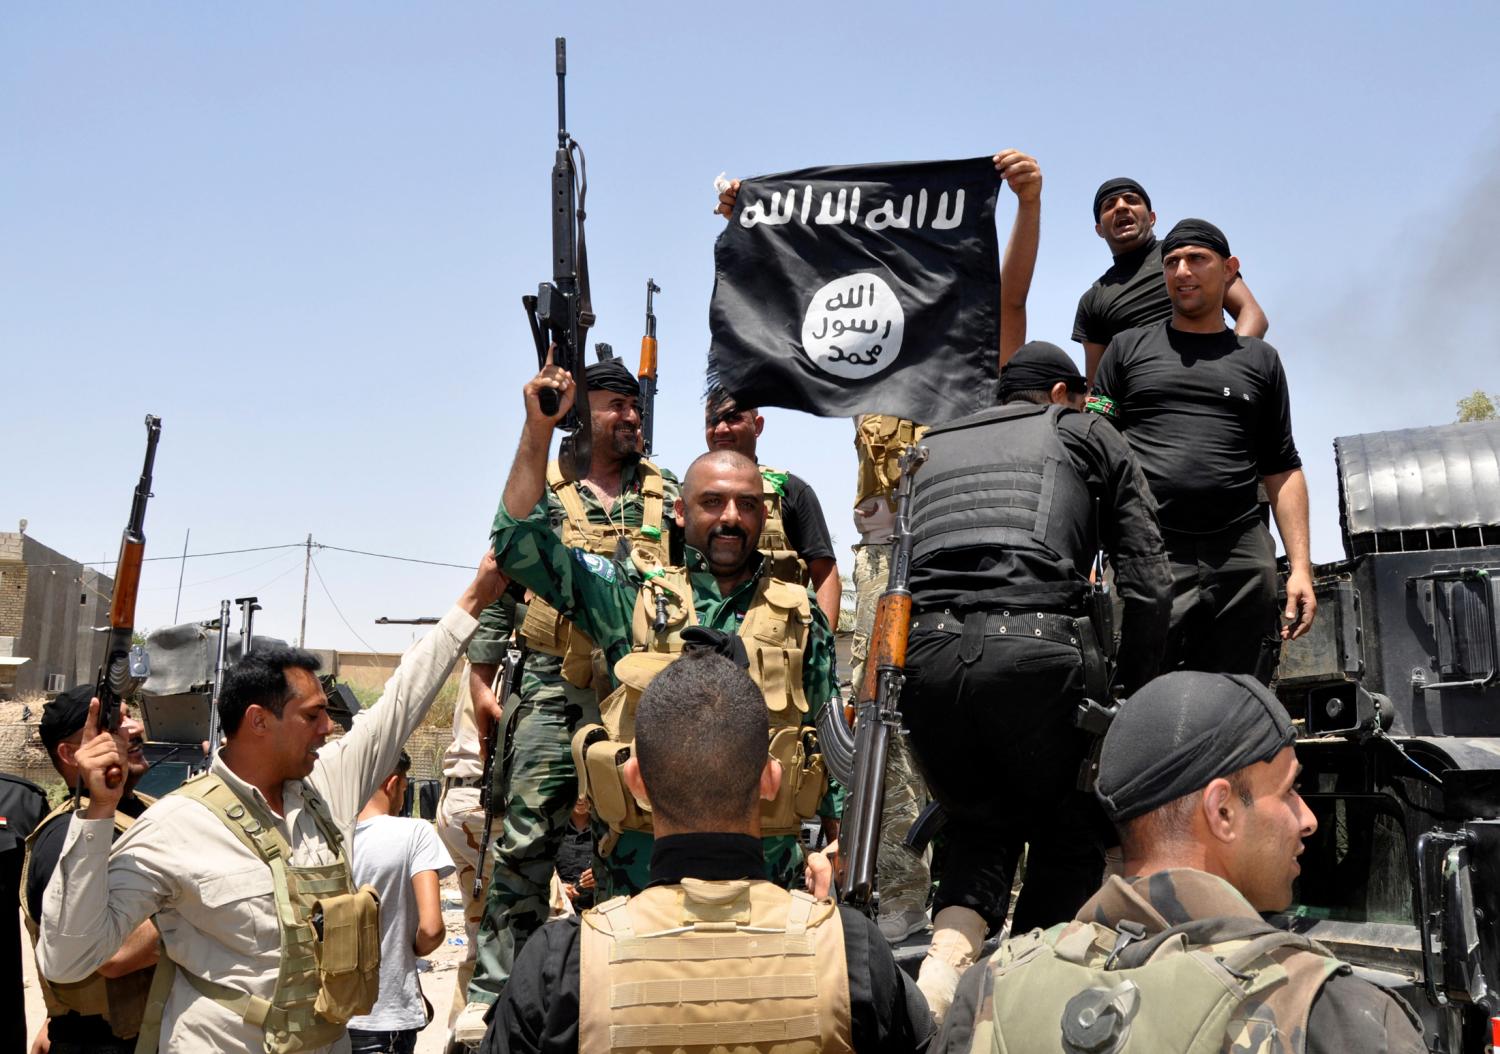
(775, 631)
(327, 974)
(804, 781)
(879, 440)
(348, 951)
(787, 566)
(598, 760)
(547, 631)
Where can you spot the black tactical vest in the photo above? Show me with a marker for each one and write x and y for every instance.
(1001, 479)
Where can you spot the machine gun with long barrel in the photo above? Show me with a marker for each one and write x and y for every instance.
(221, 659)
(248, 607)
(857, 759)
(125, 664)
(497, 742)
(647, 373)
(561, 313)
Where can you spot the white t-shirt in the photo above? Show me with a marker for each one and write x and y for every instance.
(388, 852)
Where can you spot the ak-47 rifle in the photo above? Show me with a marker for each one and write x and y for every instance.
(497, 742)
(562, 312)
(857, 759)
(221, 659)
(647, 373)
(125, 664)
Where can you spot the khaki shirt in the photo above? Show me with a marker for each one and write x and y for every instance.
(462, 759)
(211, 896)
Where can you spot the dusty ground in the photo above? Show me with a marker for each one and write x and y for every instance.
(439, 972)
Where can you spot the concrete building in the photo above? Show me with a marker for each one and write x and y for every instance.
(50, 607)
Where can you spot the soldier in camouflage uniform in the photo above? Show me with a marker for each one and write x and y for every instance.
(623, 500)
(1199, 774)
(599, 594)
(903, 878)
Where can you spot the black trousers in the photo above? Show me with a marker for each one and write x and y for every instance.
(1224, 614)
(995, 740)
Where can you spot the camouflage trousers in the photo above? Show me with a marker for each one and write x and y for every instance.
(537, 789)
(627, 869)
(460, 824)
(902, 877)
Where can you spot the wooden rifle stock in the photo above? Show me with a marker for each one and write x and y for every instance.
(124, 666)
(647, 373)
(888, 639)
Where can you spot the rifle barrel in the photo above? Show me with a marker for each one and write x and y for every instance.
(562, 96)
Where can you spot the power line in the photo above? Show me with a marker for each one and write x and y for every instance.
(388, 556)
(231, 574)
(188, 556)
(335, 603)
(307, 545)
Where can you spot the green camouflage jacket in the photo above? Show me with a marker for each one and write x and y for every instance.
(598, 595)
(496, 622)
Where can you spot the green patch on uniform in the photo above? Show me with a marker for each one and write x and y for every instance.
(597, 564)
(1102, 405)
(776, 479)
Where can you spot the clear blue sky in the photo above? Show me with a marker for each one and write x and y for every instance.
(300, 232)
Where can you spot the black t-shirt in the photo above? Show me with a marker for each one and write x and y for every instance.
(1207, 415)
(806, 528)
(72, 1027)
(538, 1011)
(1133, 292)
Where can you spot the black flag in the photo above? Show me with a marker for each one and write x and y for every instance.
(861, 289)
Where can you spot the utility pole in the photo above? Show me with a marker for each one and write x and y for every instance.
(178, 606)
(306, 568)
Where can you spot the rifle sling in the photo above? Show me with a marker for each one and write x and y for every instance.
(585, 299)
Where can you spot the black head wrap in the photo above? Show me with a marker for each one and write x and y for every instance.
(1037, 366)
(65, 715)
(729, 645)
(1110, 187)
(1182, 731)
(612, 375)
(1196, 232)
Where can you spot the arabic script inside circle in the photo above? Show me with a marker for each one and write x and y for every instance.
(853, 326)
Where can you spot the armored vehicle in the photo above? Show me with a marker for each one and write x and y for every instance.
(1397, 688)
(176, 697)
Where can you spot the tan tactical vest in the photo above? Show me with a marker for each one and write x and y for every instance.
(879, 440)
(121, 1001)
(775, 546)
(1250, 995)
(717, 966)
(330, 969)
(775, 630)
(544, 628)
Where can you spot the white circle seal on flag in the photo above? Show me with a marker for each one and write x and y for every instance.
(853, 326)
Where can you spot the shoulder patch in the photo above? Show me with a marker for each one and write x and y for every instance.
(1102, 405)
(596, 564)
